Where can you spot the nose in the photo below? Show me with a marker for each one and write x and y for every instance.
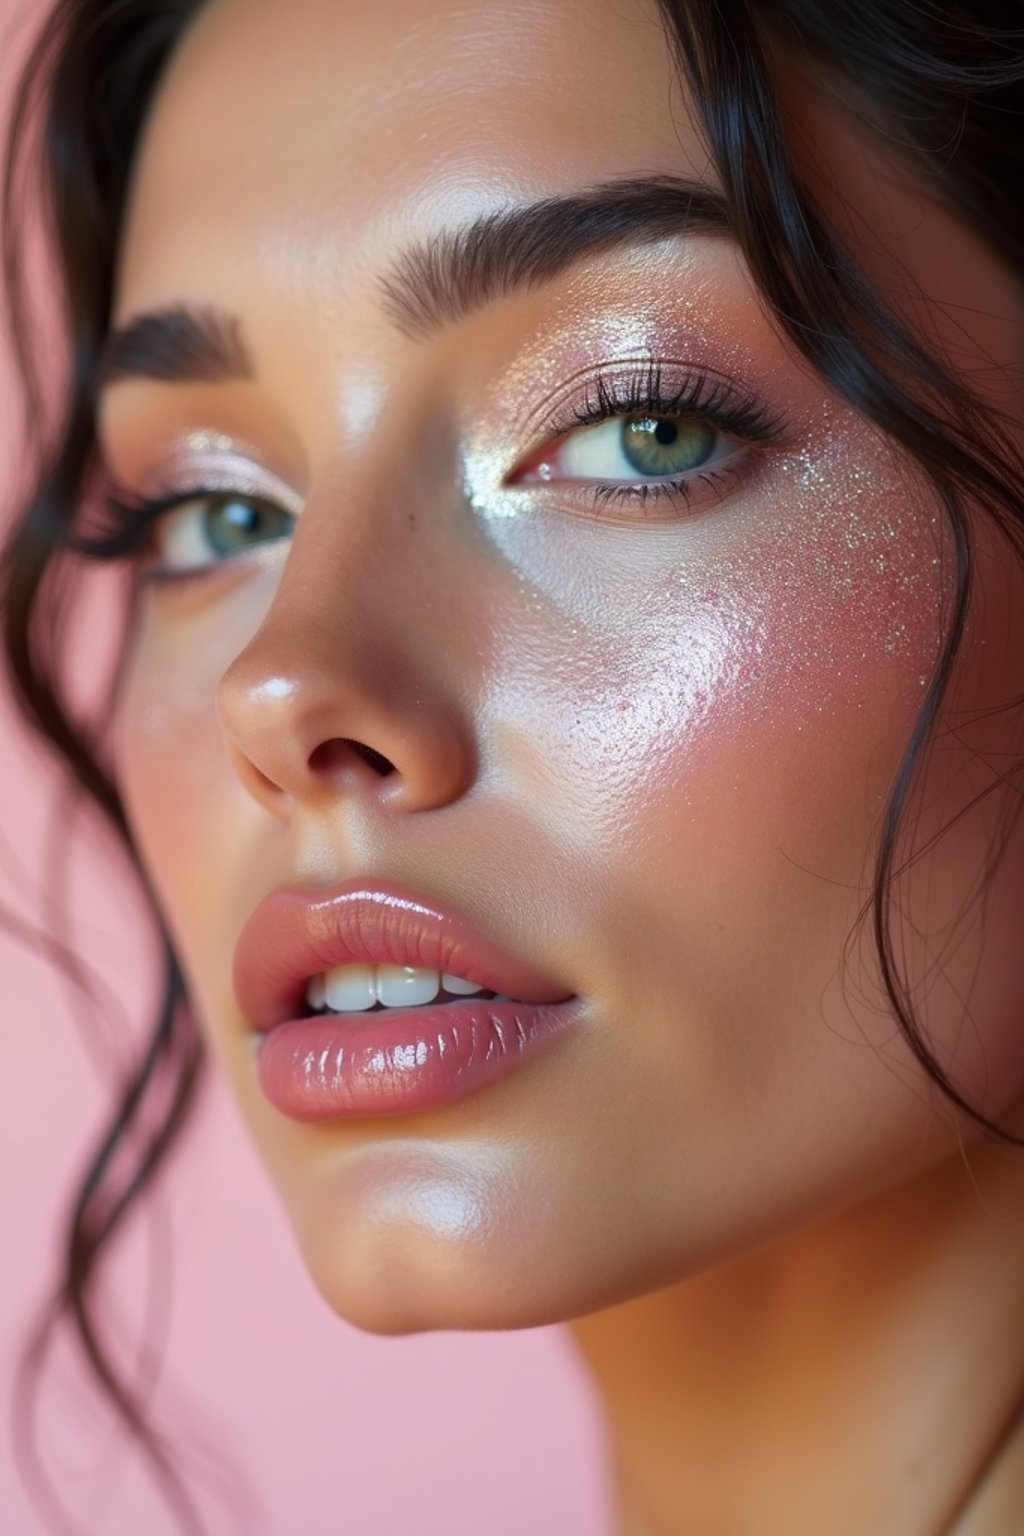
(336, 695)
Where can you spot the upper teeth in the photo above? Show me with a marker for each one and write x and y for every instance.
(354, 988)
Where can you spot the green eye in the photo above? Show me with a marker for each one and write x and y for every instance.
(234, 522)
(667, 445)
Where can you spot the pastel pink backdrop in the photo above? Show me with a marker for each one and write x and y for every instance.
(335, 1432)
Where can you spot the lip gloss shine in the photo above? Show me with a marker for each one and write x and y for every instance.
(321, 1066)
(401, 1060)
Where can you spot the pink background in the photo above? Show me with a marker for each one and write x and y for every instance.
(333, 1430)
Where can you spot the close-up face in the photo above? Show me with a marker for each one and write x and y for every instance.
(537, 583)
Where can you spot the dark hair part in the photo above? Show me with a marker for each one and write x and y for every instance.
(942, 79)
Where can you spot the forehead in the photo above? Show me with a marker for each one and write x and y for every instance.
(349, 127)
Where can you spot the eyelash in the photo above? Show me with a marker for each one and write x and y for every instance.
(645, 393)
(701, 394)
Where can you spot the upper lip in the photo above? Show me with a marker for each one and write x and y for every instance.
(294, 934)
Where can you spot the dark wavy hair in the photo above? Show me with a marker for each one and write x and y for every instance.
(942, 83)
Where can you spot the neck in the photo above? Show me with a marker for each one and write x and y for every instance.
(859, 1375)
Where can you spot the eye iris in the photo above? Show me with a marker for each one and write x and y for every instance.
(666, 445)
(232, 523)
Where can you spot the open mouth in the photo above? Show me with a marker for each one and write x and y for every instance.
(367, 1000)
(361, 988)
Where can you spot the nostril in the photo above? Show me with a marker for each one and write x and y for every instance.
(382, 765)
(328, 751)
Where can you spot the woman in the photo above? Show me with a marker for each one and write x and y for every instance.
(566, 464)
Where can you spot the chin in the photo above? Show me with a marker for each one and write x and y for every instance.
(426, 1256)
(397, 1270)
(400, 1278)
(407, 1286)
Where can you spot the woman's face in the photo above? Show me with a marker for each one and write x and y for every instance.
(642, 689)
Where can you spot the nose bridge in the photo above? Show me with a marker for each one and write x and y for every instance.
(351, 684)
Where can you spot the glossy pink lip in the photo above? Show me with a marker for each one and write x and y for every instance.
(394, 1060)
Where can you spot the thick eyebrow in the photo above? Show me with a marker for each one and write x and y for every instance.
(445, 278)
(177, 345)
(440, 280)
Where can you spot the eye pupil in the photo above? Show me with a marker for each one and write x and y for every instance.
(240, 515)
(666, 432)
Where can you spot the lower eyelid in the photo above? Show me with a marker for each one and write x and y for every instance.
(666, 499)
(660, 499)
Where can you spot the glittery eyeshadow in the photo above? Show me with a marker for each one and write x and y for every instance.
(216, 461)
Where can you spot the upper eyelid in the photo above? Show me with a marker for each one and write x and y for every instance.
(205, 457)
(642, 367)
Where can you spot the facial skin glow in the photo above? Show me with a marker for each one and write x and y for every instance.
(644, 744)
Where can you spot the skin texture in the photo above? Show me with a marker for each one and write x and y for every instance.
(644, 745)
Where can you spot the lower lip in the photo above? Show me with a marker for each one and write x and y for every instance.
(402, 1060)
